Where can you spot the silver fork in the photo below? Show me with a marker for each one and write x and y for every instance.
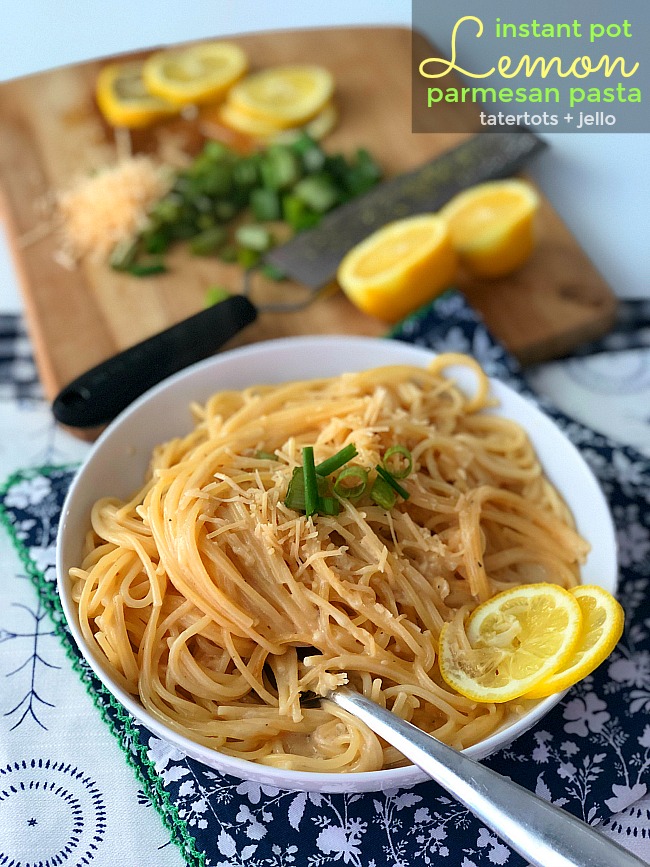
(537, 830)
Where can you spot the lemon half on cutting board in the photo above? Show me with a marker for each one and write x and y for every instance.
(399, 267)
(492, 226)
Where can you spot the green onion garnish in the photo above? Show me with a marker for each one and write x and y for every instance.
(265, 456)
(329, 506)
(214, 295)
(406, 462)
(383, 494)
(351, 482)
(330, 465)
(295, 498)
(395, 485)
(311, 481)
(146, 267)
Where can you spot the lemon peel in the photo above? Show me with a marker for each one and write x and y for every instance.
(511, 643)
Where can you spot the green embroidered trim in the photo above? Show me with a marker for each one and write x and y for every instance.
(100, 696)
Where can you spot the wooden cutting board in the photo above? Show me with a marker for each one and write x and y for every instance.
(51, 133)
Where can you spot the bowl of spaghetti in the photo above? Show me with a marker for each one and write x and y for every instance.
(210, 591)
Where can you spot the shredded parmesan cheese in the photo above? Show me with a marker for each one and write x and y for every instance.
(111, 206)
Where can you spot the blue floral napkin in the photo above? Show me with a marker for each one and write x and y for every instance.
(590, 755)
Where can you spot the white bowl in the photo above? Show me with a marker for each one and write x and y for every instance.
(118, 461)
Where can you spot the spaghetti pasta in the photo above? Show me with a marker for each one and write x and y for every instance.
(219, 605)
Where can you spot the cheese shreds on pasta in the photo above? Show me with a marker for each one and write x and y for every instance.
(219, 606)
(110, 206)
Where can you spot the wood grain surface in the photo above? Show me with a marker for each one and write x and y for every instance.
(51, 133)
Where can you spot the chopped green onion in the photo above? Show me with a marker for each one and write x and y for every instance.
(265, 204)
(272, 272)
(247, 258)
(208, 241)
(124, 254)
(245, 172)
(318, 192)
(228, 253)
(296, 213)
(351, 482)
(279, 167)
(146, 268)
(265, 456)
(383, 494)
(329, 506)
(295, 498)
(155, 242)
(402, 452)
(311, 481)
(254, 237)
(215, 294)
(395, 485)
(296, 183)
(331, 464)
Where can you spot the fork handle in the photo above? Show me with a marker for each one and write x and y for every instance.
(537, 830)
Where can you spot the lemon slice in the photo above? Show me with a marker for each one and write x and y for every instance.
(317, 128)
(257, 127)
(124, 100)
(399, 267)
(602, 626)
(511, 643)
(195, 74)
(286, 96)
(492, 226)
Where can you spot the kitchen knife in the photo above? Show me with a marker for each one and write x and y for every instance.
(311, 258)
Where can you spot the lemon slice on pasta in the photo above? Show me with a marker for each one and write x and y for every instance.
(511, 643)
(602, 626)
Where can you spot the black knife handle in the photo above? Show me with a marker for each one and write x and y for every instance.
(98, 395)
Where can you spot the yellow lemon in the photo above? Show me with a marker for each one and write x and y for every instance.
(399, 267)
(511, 643)
(196, 73)
(229, 115)
(492, 226)
(602, 626)
(257, 127)
(124, 100)
(286, 96)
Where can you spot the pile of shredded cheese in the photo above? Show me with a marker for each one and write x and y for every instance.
(110, 207)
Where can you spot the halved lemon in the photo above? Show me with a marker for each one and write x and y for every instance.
(602, 626)
(399, 267)
(124, 100)
(286, 96)
(511, 643)
(196, 73)
(492, 226)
